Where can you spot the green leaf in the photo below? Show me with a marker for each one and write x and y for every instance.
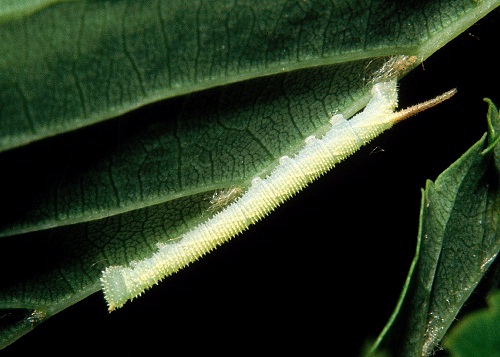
(493, 126)
(477, 333)
(128, 116)
(459, 238)
(15, 9)
(87, 61)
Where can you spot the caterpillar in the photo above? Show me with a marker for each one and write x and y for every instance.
(318, 155)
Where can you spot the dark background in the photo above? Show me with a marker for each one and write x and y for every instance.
(324, 272)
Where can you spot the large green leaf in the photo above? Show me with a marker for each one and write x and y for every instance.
(107, 193)
(86, 61)
(84, 76)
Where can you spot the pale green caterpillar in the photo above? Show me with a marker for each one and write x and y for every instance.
(317, 157)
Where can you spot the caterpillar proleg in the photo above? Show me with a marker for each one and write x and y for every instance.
(121, 283)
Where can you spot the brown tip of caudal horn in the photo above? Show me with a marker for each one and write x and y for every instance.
(420, 107)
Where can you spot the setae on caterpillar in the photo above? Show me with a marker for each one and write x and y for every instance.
(222, 198)
(393, 68)
(121, 284)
